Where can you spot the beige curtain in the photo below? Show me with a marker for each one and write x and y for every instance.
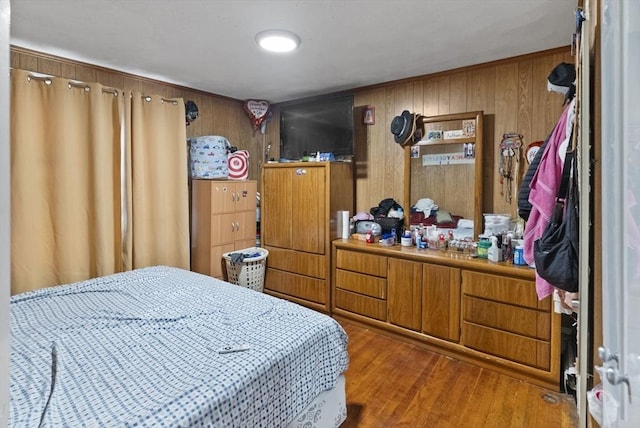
(157, 231)
(65, 181)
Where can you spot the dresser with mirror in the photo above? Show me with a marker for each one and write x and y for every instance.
(486, 313)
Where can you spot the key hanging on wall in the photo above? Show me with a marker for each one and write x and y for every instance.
(510, 155)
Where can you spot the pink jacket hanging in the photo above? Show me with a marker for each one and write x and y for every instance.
(544, 186)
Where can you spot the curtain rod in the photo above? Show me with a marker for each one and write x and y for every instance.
(71, 84)
(148, 98)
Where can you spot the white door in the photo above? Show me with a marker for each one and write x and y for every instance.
(5, 213)
(620, 166)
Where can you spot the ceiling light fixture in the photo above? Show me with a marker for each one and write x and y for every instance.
(278, 40)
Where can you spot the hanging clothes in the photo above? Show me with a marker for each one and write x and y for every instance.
(544, 186)
(524, 207)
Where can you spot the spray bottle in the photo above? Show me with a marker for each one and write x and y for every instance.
(494, 253)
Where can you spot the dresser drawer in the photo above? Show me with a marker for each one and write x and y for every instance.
(362, 284)
(524, 350)
(304, 287)
(363, 305)
(307, 264)
(513, 291)
(368, 264)
(527, 322)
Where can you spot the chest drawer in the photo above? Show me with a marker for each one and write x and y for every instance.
(524, 350)
(363, 305)
(367, 264)
(513, 291)
(304, 287)
(362, 284)
(297, 262)
(526, 322)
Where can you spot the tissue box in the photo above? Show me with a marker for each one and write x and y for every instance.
(208, 157)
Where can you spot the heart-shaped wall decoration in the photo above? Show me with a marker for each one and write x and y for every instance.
(257, 111)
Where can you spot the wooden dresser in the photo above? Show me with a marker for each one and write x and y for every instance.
(223, 219)
(299, 206)
(471, 309)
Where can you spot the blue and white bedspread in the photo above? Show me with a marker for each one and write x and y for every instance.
(141, 349)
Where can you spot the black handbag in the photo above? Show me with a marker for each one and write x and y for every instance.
(391, 224)
(556, 252)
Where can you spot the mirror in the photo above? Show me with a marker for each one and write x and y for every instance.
(445, 166)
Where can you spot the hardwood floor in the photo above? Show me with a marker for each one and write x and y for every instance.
(395, 384)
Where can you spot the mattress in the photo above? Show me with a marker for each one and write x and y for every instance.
(141, 348)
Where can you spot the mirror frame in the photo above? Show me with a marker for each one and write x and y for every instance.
(478, 164)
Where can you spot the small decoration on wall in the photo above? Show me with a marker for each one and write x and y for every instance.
(190, 112)
(469, 150)
(415, 152)
(532, 150)
(434, 134)
(258, 112)
(369, 115)
(453, 134)
(443, 159)
(469, 128)
(510, 154)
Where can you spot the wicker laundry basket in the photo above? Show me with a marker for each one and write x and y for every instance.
(250, 271)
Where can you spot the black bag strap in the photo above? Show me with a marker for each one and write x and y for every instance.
(563, 190)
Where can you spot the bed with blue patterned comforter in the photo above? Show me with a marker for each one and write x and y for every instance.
(141, 349)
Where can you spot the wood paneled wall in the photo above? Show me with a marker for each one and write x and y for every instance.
(512, 93)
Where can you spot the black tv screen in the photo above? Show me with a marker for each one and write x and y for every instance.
(324, 125)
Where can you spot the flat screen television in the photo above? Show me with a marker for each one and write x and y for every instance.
(323, 124)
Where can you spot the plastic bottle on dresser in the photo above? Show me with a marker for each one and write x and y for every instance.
(494, 253)
(507, 247)
(369, 237)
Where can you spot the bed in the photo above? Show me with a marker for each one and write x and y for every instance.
(143, 348)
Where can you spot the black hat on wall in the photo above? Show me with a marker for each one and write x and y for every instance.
(564, 74)
(561, 80)
(403, 127)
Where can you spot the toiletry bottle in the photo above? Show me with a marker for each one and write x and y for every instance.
(369, 237)
(494, 252)
(417, 236)
(507, 247)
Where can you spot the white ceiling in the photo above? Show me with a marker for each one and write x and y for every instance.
(209, 44)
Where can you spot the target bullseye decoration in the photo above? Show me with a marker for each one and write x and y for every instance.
(238, 163)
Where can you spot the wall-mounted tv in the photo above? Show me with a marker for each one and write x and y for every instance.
(322, 124)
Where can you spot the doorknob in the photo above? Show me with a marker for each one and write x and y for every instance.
(615, 378)
(606, 355)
